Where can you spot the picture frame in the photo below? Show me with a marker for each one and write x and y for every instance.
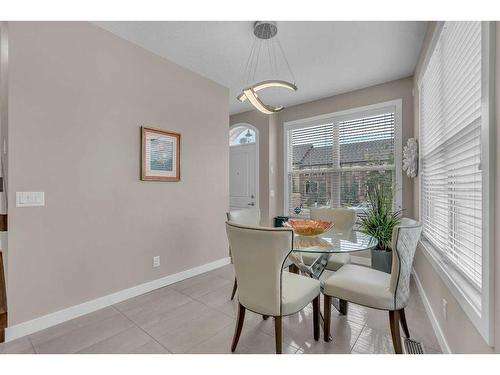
(160, 155)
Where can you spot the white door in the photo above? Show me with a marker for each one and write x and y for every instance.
(242, 177)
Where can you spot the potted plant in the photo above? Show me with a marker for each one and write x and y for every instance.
(378, 221)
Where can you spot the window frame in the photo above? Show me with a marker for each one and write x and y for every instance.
(363, 111)
(466, 294)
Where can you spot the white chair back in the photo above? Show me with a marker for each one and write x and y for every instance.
(249, 216)
(405, 237)
(342, 218)
(258, 256)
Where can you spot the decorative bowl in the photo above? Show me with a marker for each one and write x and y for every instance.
(309, 227)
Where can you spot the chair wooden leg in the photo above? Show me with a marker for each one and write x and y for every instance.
(316, 318)
(277, 333)
(235, 286)
(343, 306)
(239, 326)
(3, 324)
(396, 337)
(402, 317)
(327, 317)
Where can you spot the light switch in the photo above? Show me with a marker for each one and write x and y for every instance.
(30, 198)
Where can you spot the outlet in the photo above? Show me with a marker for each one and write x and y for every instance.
(156, 261)
(445, 309)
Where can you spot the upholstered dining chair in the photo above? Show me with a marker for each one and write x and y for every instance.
(259, 255)
(376, 289)
(250, 216)
(343, 219)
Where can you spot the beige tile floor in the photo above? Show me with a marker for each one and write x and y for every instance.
(196, 316)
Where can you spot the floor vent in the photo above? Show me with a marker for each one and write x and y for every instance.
(413, 347)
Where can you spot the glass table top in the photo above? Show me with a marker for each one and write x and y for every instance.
(334, 241)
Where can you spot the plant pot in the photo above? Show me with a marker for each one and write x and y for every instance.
(382, 260)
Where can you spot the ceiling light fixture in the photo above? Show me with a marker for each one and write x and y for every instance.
(264, 32)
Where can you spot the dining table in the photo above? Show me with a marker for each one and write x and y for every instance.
(323, 246)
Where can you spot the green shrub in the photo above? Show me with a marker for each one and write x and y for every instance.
(380, 218)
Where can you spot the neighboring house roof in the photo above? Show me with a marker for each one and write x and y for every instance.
(318, 156)
(299, 152)
(308, 156)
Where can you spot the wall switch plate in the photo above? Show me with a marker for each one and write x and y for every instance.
(30, 198)
(156, 261)
(445, 309)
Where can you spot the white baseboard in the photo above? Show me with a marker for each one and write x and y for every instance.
(49, 320)
(445, 348)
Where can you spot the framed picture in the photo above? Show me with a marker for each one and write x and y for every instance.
(160, 155)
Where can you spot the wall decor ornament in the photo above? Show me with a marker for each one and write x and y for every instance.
(410, 158)
(160, 155)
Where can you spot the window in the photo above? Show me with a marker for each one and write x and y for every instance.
(333, 161)
(454, 160)
(311, 187)
(241, 135)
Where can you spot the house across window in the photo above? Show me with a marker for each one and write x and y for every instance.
(311, 187)
(335, 163)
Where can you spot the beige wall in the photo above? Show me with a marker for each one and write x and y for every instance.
(77, 98)
(272, 128)
(458, 330)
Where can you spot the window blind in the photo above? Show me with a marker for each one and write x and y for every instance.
(450, 149)
(334, 164)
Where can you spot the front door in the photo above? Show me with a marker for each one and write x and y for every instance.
(242, 177)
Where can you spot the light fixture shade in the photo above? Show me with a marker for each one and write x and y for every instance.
(266, 38)
(250, 93)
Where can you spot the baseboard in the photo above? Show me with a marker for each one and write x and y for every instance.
(49, 320)
(445, 348)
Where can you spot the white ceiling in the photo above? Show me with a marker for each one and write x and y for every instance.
(327, 58)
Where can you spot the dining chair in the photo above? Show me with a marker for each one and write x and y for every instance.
(259, 255)
(250, 216)
(377, 289)
(343, 219)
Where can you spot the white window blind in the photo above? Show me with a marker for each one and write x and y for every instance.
(334, 164)
(450, 149)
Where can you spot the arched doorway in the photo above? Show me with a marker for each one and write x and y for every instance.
(243, 167)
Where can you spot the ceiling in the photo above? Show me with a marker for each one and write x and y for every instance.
(327, 58)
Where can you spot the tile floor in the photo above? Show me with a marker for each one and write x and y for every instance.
(196, 316)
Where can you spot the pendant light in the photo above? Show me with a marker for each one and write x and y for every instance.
(266, 43)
